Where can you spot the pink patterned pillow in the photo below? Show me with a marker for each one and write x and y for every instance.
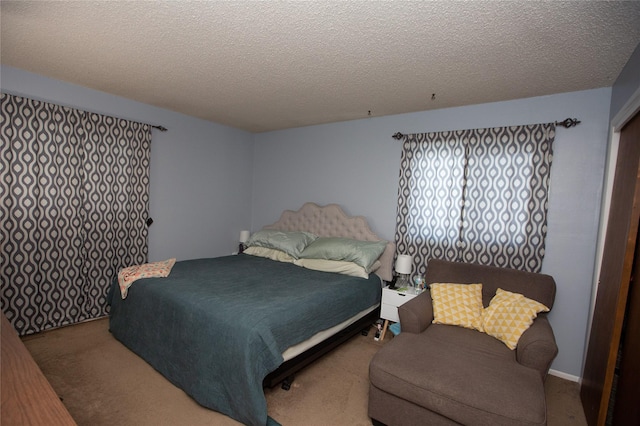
(128, 275)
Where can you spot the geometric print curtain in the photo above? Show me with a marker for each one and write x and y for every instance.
(75, 199)
(475, 196)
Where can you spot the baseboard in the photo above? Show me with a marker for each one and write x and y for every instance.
(565, 376)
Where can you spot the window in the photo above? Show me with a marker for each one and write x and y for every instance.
(75, 191)
(477, 196)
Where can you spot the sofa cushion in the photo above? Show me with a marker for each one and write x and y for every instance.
(509, 315)
(538, 287)
(457, 304)
(468, 377)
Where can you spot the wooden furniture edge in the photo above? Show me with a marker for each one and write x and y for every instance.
(27, 396)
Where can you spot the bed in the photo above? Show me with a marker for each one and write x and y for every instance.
(223, 328)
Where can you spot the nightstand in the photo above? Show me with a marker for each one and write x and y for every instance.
(391, 299)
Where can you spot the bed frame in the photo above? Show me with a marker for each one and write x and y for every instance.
(328, 221)
(332, 221)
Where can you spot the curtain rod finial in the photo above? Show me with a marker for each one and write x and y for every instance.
(398, 136)
(568, 122)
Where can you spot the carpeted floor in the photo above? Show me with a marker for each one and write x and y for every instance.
(101, 382)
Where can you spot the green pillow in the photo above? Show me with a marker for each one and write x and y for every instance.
(363, 253)
(290, 242)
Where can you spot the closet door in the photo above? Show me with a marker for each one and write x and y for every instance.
(626, 410)
(615, 277)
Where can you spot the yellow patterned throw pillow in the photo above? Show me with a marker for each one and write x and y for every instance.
(457, 304)
(509, 315)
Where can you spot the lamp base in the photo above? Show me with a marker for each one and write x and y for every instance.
(403, 281)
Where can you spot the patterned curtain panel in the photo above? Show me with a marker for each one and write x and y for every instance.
(75, 195)
(477, 196)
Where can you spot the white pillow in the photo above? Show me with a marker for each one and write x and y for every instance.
(338, 266)
(269, 253)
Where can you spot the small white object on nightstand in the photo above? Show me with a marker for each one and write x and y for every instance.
(391, 299)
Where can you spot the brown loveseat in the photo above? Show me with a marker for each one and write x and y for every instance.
(435, 374)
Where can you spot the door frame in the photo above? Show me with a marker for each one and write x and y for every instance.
(626, 113)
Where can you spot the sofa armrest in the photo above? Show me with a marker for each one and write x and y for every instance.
(416, 315)
(537, 346)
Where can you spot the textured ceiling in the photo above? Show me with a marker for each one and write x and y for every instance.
(263, 66)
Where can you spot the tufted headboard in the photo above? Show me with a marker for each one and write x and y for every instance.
(332, 221)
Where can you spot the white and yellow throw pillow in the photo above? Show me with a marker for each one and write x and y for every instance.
(457, 304)
(129, 275)
(509, 315)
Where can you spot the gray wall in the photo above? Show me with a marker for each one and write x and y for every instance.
(627, 84)
(355, 164)
(200, 190)
(206, 179)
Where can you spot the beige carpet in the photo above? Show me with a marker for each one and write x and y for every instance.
(103, 383)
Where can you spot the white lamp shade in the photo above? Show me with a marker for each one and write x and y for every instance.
(244, 236)
(404, 264)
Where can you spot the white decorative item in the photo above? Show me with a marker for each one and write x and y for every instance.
(244, 237)
(404, 265)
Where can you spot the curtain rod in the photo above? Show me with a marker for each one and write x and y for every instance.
(568, 122)
(161, 128)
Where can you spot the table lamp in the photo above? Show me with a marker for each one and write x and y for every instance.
(244, 237)
(404, 264)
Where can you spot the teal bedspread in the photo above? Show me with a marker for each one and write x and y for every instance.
(216, 327)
